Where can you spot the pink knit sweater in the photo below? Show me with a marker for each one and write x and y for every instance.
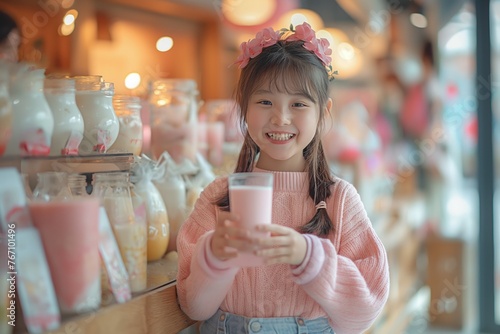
(344, 277)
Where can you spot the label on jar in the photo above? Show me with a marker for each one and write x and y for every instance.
(113, 262)
(35, 142)
(103, 140)
(72, 144)
(36, 291)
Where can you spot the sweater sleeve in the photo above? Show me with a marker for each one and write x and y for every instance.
(202, 280)
(350, 283)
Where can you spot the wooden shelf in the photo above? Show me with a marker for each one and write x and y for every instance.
(154, 310)
(70, 163)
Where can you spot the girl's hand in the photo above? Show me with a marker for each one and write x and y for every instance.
(284, 246)
(228, 239)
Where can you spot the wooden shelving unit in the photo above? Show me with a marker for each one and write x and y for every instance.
(154, 310)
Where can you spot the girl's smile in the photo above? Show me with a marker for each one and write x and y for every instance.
(280, 137)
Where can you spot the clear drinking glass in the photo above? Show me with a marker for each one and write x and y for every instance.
(251, 198)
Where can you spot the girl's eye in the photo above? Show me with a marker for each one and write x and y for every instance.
(265, 102)
(299, 105)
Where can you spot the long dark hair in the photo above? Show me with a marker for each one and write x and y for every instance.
(7, 24)
(289, 67)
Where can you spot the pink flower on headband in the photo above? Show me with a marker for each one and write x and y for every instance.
(253, 48)
(267, 37)
(321, 48)
(303, 32)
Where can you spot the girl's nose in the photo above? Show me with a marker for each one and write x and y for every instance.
(281, 117)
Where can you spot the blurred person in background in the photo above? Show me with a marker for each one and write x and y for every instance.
(10, 37)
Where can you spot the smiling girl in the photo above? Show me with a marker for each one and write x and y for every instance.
(325, 268)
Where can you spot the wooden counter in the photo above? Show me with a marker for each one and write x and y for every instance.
(153, 311)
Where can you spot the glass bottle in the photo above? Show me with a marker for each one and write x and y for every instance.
(114, 191)
(50, 186)
(174, 109)
(68, 121)
(32, 122)
(128, 110)
(77, 183)
(27, 187)
(94, 99)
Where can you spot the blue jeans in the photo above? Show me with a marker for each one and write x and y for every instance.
(228, 323)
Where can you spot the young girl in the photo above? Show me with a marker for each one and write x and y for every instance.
(325, 269)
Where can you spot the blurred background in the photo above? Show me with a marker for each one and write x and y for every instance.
(416, 122)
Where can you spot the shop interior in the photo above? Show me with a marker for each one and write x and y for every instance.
(415, 128)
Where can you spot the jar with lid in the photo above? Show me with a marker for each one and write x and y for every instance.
(174, 107)
(32, 122)
(51, 186)
(113, 189)
(5, 107)
(27, 188)
(94, 99)
(77, 184)
(128, 110)
(68, 121)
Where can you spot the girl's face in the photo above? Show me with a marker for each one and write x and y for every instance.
(282, 125)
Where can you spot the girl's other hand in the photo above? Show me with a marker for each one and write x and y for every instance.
(284, 246)
(228, 239)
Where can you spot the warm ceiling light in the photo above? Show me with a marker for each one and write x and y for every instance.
(299, 16)
(349, 61)
(346, 51)
(248, 12)
(68, 19)
(333, 35)
(132, 80)
(73, 12)
(66, 29)
(164, 44)
(418, 20)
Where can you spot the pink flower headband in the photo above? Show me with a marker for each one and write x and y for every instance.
(302, 32)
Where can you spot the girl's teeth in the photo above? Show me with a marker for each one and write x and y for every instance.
(280, 136)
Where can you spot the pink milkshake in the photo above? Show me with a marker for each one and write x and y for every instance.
(251, 198)
(70, 235)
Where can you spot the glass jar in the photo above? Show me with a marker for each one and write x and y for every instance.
(94, 99)
(128, 110)
(5, 107)
(68, 121)
(114, 191)
(77, 184)
(32, 123)
(156, 218)
(27, 188)
(174, 109)
(51, 186)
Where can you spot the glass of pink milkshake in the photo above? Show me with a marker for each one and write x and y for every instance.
(251, 198)
(69, 230)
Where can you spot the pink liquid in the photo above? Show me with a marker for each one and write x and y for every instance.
(215, 140)
(70, 236)
(180, 142)
(253, 204)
